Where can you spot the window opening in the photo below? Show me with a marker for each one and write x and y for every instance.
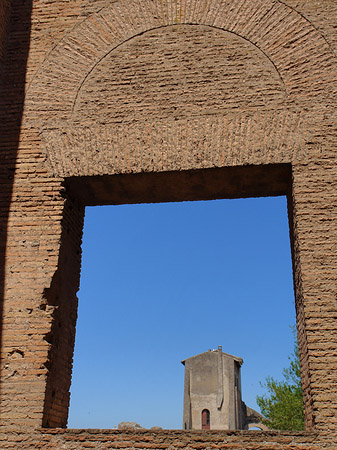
(148, 271)
(205, 419)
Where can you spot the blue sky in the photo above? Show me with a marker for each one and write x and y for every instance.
(163, 282)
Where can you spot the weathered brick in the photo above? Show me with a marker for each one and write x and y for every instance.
(140, 100)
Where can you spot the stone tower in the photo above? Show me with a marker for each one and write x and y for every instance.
(212, 393)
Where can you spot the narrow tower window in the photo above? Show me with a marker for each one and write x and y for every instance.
(205, 419)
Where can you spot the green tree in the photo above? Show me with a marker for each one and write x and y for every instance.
(282, 405)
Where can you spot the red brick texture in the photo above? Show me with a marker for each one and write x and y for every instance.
(168, 439)
(146, 100)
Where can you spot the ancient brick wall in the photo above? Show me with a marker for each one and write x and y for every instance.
(144, 100)
(170, 439)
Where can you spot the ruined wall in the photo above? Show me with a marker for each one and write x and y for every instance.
(169, 439)
(127, 101)
(213, 382)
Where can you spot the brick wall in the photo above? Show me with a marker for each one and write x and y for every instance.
(170, 439)
(117, 102)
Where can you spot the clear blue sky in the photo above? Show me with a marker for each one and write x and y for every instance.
(163, 282)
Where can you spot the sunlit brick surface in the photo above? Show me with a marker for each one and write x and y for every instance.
(152, 100)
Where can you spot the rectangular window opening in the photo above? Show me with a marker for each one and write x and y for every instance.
(163, 282)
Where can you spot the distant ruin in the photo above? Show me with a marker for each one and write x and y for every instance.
(212, 394)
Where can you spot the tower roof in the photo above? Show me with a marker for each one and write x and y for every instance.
(219, 349)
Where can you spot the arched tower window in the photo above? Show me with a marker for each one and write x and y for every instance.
(205, 419)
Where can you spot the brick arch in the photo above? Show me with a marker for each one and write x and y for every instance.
(300, 55)
(161, 30)
(298, 51)
(181, 71)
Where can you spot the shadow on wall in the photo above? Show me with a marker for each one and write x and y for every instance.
(15, 26)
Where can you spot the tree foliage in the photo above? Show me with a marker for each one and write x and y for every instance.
(282, 405)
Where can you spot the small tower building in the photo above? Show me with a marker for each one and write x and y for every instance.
(212, 392)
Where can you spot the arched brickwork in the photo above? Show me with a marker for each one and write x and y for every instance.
(302, 61)
(300, 54)
(301, 57)
(276, 135)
